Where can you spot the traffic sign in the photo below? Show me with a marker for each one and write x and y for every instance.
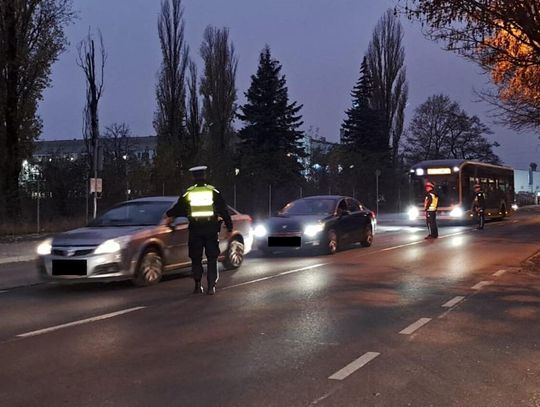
(96, 185)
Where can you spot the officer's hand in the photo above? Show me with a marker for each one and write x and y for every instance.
(169, 220)
(228, 234)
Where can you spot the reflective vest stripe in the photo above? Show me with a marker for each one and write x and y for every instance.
(434, 202)
(201, 201)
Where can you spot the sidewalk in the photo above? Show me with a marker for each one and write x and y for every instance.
(18, 251)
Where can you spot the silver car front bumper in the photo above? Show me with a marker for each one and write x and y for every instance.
(68, 265)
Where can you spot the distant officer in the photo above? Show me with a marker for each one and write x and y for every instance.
(431, 203)
(202, 204)
(479, 206)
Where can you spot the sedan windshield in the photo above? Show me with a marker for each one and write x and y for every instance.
(310, 207)
(133, 214)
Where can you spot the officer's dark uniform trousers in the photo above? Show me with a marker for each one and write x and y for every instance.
(431, 221)
(203, 236)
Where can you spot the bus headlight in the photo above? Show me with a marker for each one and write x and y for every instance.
(413, 213)
(515, 207)
(456, 213)
(260, 231)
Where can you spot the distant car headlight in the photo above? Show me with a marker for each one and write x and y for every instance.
(260, 231)
(44, 248)
(413, 212)
(515, 207)
(456, 213)
(313, 230)
(112, 245)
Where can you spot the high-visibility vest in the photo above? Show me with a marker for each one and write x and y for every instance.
(434, 202)
(201, 201)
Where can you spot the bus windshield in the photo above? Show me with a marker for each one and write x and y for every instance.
(446, 186)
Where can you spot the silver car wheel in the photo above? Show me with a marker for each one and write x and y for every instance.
(235, 255)
(150, 269)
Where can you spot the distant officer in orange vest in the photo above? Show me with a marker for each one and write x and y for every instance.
(431, 203)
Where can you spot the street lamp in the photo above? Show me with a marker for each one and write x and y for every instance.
(125, 157)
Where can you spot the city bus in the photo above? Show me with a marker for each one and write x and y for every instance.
(454, 181)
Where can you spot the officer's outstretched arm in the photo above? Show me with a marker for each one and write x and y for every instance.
(180, 208)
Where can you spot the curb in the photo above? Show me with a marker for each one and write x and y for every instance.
(16, 259)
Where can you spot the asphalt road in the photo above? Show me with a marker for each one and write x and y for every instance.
(407, 322)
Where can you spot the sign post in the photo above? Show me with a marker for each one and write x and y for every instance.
(96, 186)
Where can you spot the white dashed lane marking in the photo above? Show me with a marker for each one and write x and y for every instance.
(453, 301)
(499, 273)
(274, 276)
(354, 366)
(413, 327)
(481, 284)
(80, 322)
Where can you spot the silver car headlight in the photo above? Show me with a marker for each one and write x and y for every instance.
(260, 231)
(313, 230)
(112, 245)
(44, 248)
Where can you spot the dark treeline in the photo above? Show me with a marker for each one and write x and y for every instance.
(258, 154)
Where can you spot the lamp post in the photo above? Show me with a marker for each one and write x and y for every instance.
(236, 172)
(125, 158)
(377, 174)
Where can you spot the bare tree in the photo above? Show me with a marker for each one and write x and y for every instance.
(93, 69)
(194, 120)
(440, 129)
(117, 141)
(386, 65)
(169, 119)
(503, 37)
(31, 39)
(218, 88)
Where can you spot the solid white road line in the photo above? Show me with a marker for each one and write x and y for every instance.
(499, 273)
(413, 327)
(481, 284)
(284, 273)
(453, 301)
(80, 322)
(3, 291)
(354, 366)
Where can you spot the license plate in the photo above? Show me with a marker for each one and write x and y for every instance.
(284, 241)
(69, 267)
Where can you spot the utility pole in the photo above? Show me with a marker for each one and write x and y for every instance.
(377, 174)
(269, 200)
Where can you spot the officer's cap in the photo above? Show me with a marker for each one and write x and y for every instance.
(198, 172)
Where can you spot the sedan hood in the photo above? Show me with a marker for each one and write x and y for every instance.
(292, 223)
(93, 236)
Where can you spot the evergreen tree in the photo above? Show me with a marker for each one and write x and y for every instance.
(363, 127)
(271, 132)
(271, 148)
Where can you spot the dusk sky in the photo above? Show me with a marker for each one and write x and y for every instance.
(320, 44)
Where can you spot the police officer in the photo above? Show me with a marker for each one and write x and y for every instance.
(202, 204)
(479, 206)
(431, 203)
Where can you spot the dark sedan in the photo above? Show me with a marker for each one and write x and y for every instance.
(132, 241)
(326, 222)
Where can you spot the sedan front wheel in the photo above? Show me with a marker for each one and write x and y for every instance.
(149, 270)
(331, 242)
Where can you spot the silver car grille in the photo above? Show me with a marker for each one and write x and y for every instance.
(72, 251)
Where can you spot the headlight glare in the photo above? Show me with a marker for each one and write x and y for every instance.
(456, 213)
(260, 231)
(44, 248)
(413, 213)
(313, 229)
(111, 245)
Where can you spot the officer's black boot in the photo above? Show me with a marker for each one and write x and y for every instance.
(211, 290)
(198, 287)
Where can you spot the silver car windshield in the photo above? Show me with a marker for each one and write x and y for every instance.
(310, 207)
(133, 214)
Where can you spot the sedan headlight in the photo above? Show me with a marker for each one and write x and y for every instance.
(413, 213)
(112, 245)
(260, 231)
(44, 248)
(456, 213)
(313, 229)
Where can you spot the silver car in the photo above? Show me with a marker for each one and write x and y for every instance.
(132, 241)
